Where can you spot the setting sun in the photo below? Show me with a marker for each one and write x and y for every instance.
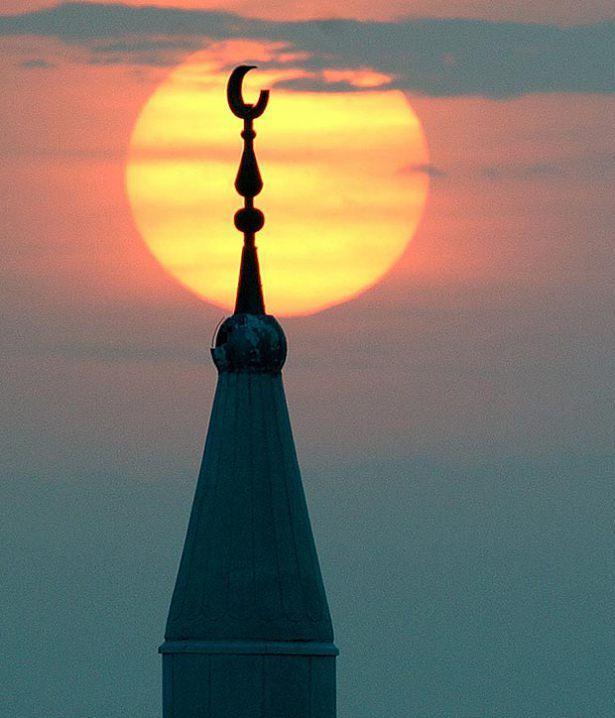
(341, 200)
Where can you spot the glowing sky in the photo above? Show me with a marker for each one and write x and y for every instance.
(454, 422)
(560, 11)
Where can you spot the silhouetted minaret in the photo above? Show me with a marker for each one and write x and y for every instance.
(249, 633)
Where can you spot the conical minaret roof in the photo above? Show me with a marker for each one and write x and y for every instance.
(249, 570)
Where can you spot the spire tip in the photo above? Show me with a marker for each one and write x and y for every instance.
(248, 184)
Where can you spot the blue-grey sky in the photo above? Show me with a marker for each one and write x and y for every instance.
(454, 424)
(441, 57)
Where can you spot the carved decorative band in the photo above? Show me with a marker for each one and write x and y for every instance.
(262, 648)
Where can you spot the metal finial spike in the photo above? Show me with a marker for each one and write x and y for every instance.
(248, 183)
(234, 94)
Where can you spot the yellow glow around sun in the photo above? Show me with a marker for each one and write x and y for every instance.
(339, 202)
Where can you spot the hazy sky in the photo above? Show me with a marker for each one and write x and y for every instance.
(455, 424)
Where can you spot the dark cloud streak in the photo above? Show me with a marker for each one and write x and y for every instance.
(35, 64)
(433, 57)
(428, 169)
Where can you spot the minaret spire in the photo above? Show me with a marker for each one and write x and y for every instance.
(249, 631)
(248, 184)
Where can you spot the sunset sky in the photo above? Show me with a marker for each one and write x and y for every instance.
(454, 422)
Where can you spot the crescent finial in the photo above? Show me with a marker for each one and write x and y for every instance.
(234, 94)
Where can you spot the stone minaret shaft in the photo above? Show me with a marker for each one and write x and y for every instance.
(249, 633)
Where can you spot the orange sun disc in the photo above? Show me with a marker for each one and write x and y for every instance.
(339, 200)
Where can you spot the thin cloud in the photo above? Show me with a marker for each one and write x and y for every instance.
(139, 50)
(433, 57)
(427, 169)
(598, 167)
(35, 64)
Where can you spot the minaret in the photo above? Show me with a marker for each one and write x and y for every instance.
(249, 632)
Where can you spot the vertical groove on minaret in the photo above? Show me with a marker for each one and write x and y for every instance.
(269, 478)
(261, 702)
(251, 452)
(309, 688)
(211, 480)
(288, 481)
(209, 686)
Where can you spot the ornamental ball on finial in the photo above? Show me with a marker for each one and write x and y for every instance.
(250, 343)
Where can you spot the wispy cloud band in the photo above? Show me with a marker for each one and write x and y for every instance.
(434, 57)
